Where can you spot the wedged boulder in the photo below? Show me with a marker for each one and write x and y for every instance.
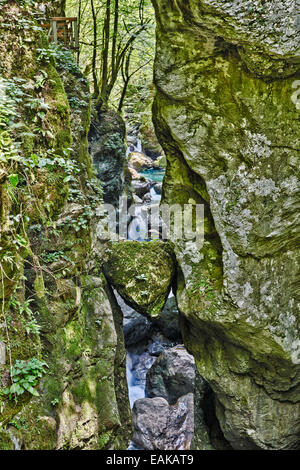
(172, 375)
(160, 426)
(227, 116)
(142, 273)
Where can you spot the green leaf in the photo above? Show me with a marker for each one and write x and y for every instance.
(31, 390)
(14, 180)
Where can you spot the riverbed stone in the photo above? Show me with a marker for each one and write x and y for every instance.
(136, 327)
(158, 188)
(142, 273)
(160, 426)
(172, 375)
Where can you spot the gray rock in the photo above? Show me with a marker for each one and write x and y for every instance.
(168, 323)
(136, 327)
(2, 353)
(147, 198)
(155, 349)
(158, 425)
(239, 291)
(137, 200)
(172, 375)
(141, 187)
(106, 145)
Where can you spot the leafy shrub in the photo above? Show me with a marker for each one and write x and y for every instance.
(25, 376)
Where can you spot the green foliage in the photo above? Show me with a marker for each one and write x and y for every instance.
(204, 288)
(123, 45)
(51, 257)
(76, 103)
(63, 57)
(14, 180)
(25, 376)
(23, 310)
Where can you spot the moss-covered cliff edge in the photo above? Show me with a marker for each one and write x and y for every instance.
(56, 306)
(224, 112)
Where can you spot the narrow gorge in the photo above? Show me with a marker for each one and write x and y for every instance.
(116, 333)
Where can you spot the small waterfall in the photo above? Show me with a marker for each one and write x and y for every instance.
(154, 196)
(136, 388)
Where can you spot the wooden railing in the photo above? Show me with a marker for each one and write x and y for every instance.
(62, 30)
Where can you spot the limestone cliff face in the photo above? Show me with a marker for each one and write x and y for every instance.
(227, 115)
(56, 305)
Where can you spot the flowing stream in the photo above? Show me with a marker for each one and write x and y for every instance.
(144, 340)
(141, 356)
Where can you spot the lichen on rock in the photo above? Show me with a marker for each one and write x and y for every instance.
(224, 114)
(57, 306)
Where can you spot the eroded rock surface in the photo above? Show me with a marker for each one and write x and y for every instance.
(142, 273)
(81, 402)
(158, 425)
(172, 375)
(227, 116)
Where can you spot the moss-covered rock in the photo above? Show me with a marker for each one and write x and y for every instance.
(107, 148)
(142, 273)
(56, 304)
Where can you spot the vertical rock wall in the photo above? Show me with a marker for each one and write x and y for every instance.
(56, 305)
(227, 115)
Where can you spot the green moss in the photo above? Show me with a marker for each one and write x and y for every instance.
(142, 273)
(5, 441)
(32, 418)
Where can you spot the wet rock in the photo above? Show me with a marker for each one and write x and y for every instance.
(172, 375)
(158, 425)
(168, 322)
(136, 327)
(142, 273)
(155, 349)
(106, 145)
(134, 174)
(158, 188)
(141, 187)
(147, 198)
(141, 365)
(136, 199)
